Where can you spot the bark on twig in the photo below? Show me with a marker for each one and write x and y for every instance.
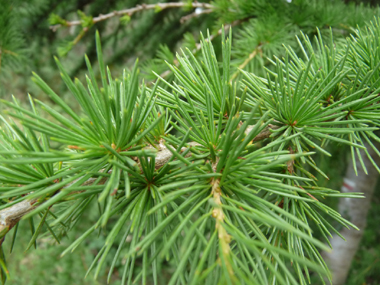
(138, 8)
(9, 217)
(194, 15)
(264, 133)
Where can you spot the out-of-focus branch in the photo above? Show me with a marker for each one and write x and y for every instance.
(197, 13)
(198, 45)
(9, 217)
(226, 28)
(355, 210)
(138, 8)
(251, 56)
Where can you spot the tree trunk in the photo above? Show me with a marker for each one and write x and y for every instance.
(355, 210)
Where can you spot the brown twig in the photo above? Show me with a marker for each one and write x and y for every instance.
(197, 13)
(9, 217)
(264, 133)
(138, 8)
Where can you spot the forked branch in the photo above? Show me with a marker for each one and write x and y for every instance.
(138, 8)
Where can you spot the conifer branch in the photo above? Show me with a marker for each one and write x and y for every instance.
(138, 8)
(252, 188)
(10, 216)
(4, 51)
(217, 213)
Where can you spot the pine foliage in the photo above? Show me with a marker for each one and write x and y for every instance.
(211, 172)
(12, 43)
